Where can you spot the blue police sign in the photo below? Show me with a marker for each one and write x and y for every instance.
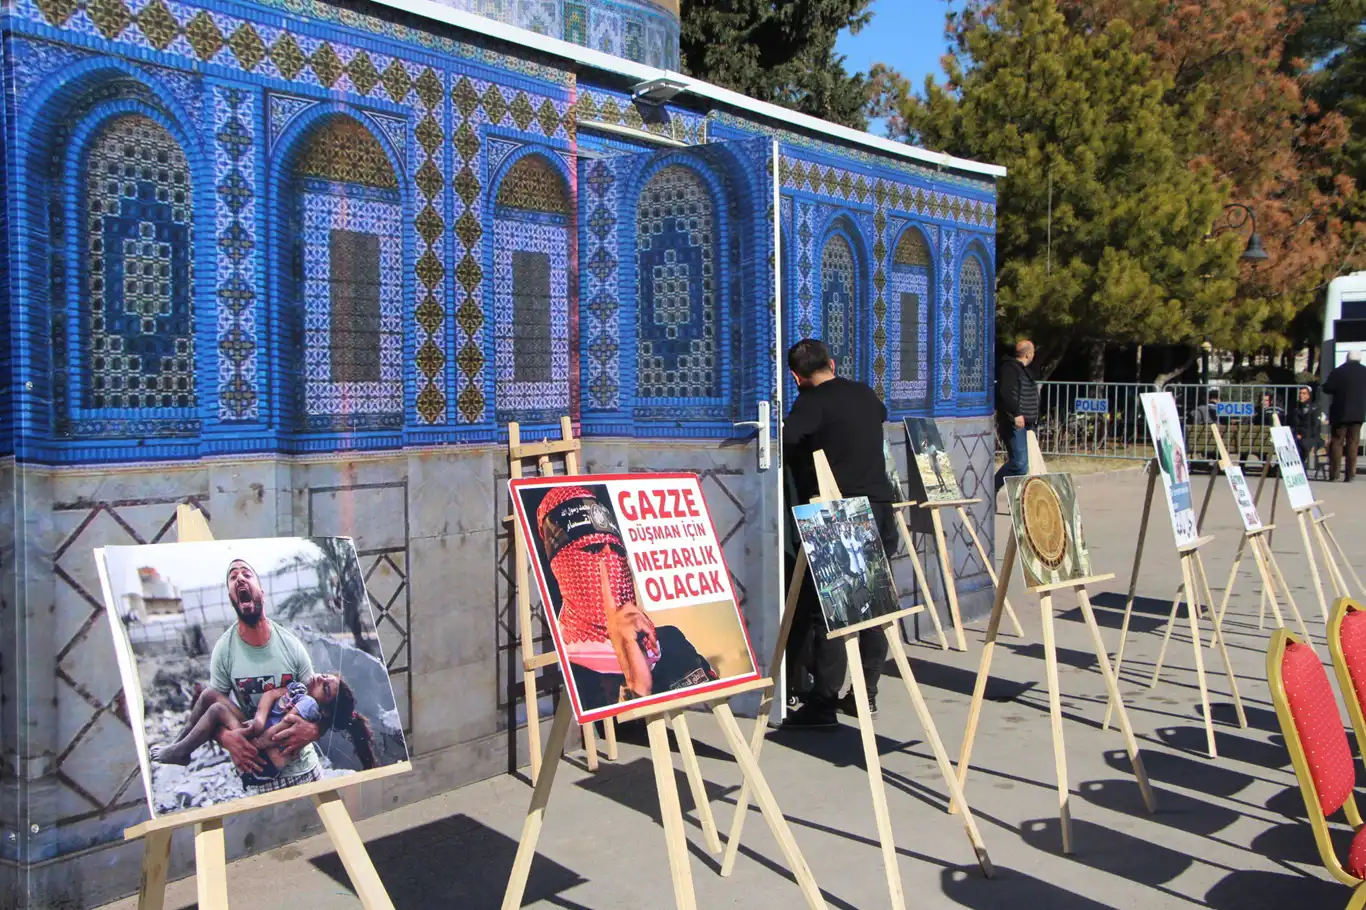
(1091, 406)
(1234, 409)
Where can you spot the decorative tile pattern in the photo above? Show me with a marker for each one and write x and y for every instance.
(343, 151)
(531, 319)
(427, 158)
(854, 187)
(839, 304)
(945, 353)
(619, 110)
(806, 297)
(972, 314)
(235, 222)
(909, 319)
(138, 271)
(676, 287)
(339, 393)
(912, 250)
(533, 185)
(598, 276)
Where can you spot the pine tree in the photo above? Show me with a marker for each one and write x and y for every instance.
(782, 51)
(1086, 125)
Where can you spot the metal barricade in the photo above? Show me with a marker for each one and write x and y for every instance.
(1092, 419)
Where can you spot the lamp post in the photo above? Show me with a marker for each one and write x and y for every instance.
(1254, 252)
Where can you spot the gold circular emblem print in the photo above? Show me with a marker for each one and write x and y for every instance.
(1043, 521)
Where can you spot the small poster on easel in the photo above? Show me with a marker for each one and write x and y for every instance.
(250, 667)
(638, 597)
(932, 460)
(1051, 546)
(845, 556)
(1165, 426)
(1292, 469)
(1242, 495)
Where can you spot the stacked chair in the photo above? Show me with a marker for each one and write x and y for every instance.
(1313, 731)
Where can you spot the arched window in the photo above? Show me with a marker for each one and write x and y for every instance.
(839, 304)
(531, 291)
(347, 278)
(972, 326)
(678, 287)
(911, 309)
(137, 272)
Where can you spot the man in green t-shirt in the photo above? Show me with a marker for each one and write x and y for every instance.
(252, 658)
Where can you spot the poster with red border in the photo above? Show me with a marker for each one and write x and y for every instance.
(635, 586)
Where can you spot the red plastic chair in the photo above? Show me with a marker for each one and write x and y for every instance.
(1347, 644)
(1317, 741)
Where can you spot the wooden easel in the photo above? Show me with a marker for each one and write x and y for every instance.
(1195, 585)
(1267, 567)
(568, 447)
(921, 581)
(657, 717)
(210, 852)
(829, 492)
(946, 561)
(1045, 592)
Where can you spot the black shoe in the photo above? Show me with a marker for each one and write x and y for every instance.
(811, 717)
(850, 707)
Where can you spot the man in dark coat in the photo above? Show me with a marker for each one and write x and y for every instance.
(1347, 385)
(1306, 420)
(1017, 410)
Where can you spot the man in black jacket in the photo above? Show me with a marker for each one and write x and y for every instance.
(1306, 420)
(844, 419)
(1347, 385)
(1017, 409)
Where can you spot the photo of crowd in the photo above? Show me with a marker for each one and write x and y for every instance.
(852, 573)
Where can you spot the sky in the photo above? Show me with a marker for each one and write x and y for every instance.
(906, 34)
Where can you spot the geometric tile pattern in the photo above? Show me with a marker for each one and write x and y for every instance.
(533, 185)
(598, 277)
(343, 151)
(972, 292)
(908, 322)
(430, 315)
(531, 319)
(839, 305)
(806, 297)
(946, 324)
(139, 280)
(236, 222)
(596, 105)
(676, 323)
(854, 187)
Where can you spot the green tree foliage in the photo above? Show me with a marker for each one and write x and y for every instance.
(1331, 45)
(339, 589)
(1085, 119)
(782, 51)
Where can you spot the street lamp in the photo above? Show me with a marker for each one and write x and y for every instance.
(1254, 252)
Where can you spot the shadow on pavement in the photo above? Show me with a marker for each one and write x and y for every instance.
(462, 859)
(1272, 756)
(1202, 775)
(1174, 809)
(1009, 890)
(1249, 888)
(960, 681)
(1067, 657)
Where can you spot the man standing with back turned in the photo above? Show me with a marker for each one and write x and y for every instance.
(1347, 385)
(844, 419)
(1017, 410)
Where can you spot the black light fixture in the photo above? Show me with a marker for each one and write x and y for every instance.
(1254, 252)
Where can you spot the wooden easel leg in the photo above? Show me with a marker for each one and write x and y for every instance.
(696, 783)
(1232, 577)
(922, 711)
(756, 741)
(991, 570)
(351, 849)
(671, 813)
(1313, 564)
(920, 579)
(156, 861)
(1329, 560)
(1192, 609)
(1270, 556)
(979, 687)
(1209, 494)
(1268, 583)
(1133, 582)
(1112, 684)
(535, 814)
(590, 746)
(1327, 529)
(1167, 635)
(1199, 564)
(1269, 540)
(609, 726)
(874, 765)
(1055, 713)
(950, 583)
(749, 766)
(211, 865)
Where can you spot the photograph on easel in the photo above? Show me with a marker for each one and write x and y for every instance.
(1164, 424)
(248, 666)
(932, 461)
(1292, 469)
(1242, 496)
(845, 555)
(1047, 523)
(893, 475)
(637, 594)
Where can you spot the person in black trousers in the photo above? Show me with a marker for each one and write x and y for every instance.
(1017, 410)
(1306, 420)
(1347, 385)
(844, 419)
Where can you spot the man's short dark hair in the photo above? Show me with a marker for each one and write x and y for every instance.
(808, 357)
(1213, 394)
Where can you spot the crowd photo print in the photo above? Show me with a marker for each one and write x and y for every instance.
(845, 557)
(248, 666)
(637, 594)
